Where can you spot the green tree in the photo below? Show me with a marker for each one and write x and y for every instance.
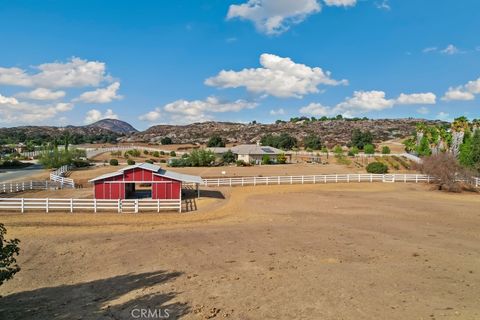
(386, 150)
(360, 139)
(266, 159)
(228, 157)
(156, 154)
(215, 141)
(338, 150)
(369, 149)
(173, 154)
(113, 162)
(201, 158)
(166, 140)
(423, 149)
(281, 158)
(282, 141)
(470, 151)
(8, 251)
(312, 142)
(131, 162)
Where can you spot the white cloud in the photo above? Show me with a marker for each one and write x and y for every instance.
(417, 98)
(13, 111)
(42, 94)
(367, 101)
(274, 16)
(450, 50)
(383, 5)
(95, 115)
(316, 109)
(443, 115)
(102, 95)
(151, 116)
(279, 77)
(184, 111)
(74, 73)
(465, 92)
(423, 110)
(341, 3)
(277, 112)
(430, 49)
(8, 100)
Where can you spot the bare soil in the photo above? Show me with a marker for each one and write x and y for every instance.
(358, 251)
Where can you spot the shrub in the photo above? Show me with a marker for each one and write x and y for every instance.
(386, 150)
(313, 142)
(8, 251)
(156, 154)
(166, 140)
(162, 153)
(215, 141)
(113, 162)
(153, 160)
(240, 163)
(228, 157)
(173, 154)
(338, 150)
(447, 171)
(266, 159)
(81, 163)
(163, 161)
(149, 161)
(360, 139)
(282, 141)
(377, 167)
(281, 158)
(145, 152)
(131, 162)
(369, 149)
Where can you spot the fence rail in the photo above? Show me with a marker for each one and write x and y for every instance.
(12, 187)
(95, 205)
(314, 179)
(58, 176)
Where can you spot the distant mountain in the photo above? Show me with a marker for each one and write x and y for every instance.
(107, 130)
(114, 125)
(332, 132)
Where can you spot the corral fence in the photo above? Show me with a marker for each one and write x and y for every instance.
(94, 205)
(58, 176)
(11, 187)
(328, 178)
(92, 152)
(314, 179)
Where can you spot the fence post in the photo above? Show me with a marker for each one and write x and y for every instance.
(95, 205)
(336, 178)
(325, 178)
(254, 181)
(136, 205)
(428, 179)
(46, 205)
(348, 178)
(278, 179)
(31, 185)
(71, 205)
(314, 179)
(158, 205)
(371, 177)
(416, 178)
(291, 179)
(23, 205)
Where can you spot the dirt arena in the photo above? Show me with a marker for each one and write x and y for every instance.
(358, 251)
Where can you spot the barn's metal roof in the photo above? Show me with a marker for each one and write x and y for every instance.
(157, 170)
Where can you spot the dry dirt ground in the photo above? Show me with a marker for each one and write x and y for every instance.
(359, 251)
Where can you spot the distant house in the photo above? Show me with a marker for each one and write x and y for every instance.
(251, 153)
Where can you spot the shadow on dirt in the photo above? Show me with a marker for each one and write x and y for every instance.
(99, 299)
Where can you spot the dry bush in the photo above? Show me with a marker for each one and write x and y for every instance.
(448, 172)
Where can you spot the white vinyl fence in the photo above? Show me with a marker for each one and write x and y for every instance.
(94, 205)
(328, 178)
(12, 187)
(58, 176)
(477, 182)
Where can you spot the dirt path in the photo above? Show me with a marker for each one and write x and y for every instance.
(367, 251)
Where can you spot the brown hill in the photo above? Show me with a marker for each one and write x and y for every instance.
(332, 132)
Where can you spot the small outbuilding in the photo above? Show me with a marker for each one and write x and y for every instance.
(142, 180)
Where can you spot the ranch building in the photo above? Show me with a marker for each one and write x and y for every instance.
(143, 180)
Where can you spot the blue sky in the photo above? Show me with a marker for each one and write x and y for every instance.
(157, 62)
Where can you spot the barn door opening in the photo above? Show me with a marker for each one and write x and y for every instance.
(138, 190)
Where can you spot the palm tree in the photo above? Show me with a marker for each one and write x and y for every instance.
(459, 127)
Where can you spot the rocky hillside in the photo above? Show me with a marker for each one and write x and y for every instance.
(114, 125)
(332, 132)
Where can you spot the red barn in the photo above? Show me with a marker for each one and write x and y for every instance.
(157, 183)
